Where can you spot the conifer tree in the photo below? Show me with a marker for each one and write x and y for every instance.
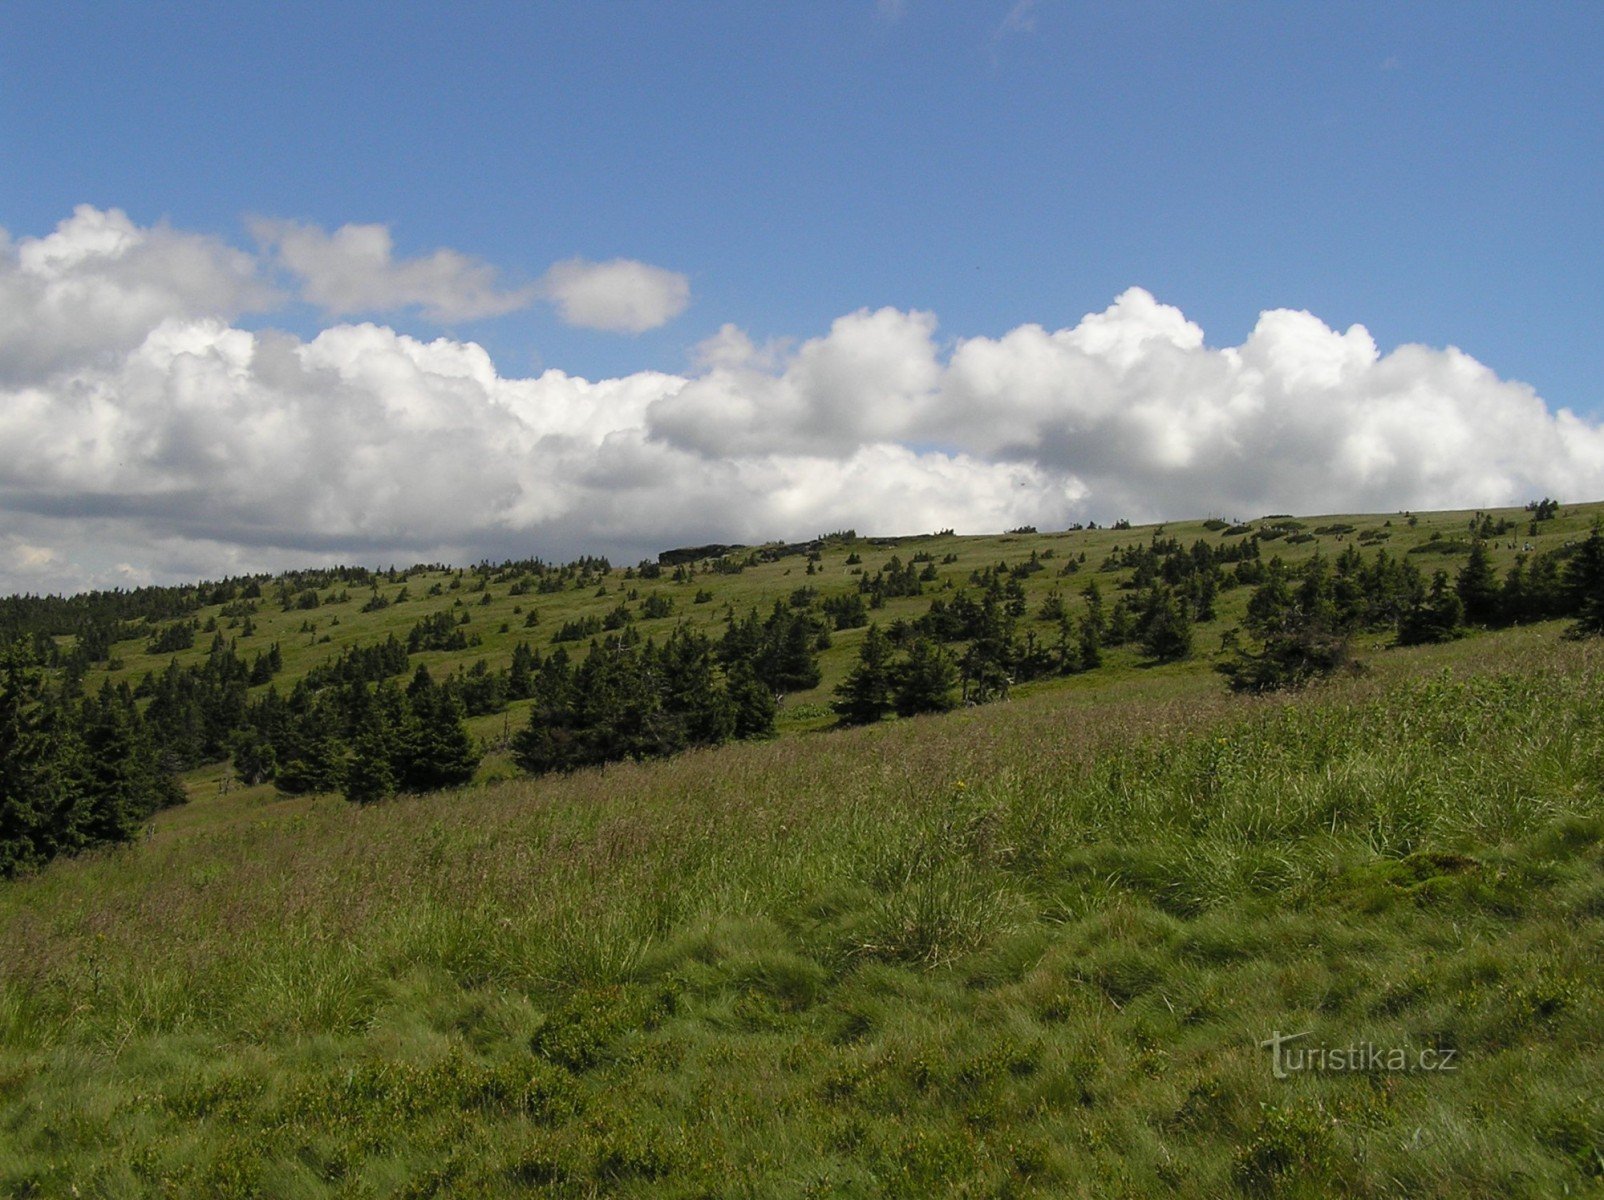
(441, 753)
(752, 702)
(865, 695)
(312, 760)
(927, 682)
(27, 782)
(1438, 616)
(701, 710)
(254, 760)
(1166, 626)
(370, 771)
(521, 673)
(1584, 583)
(1091, 654)
(1477, 586)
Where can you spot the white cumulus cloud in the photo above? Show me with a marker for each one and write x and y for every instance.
(618, 296)
(92, 289)
(355, 270)
(152, 438)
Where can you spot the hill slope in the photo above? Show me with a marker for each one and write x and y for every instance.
(1024, 949)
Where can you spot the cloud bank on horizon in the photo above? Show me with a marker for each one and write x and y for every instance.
(144, 435)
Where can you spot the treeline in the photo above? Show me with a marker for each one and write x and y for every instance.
(1299, 625)
(972, 647)
(628, 698)
(368, 740)
(347, 726)
(75, 772)
(82, 770)
(1303, 622)
(633, 700)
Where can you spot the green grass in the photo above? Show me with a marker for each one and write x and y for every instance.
(1028, 949)
(338, 626)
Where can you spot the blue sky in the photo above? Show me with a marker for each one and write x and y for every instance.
(1430, 171)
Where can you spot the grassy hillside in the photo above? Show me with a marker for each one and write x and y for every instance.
(498, 616)
(1028, 949)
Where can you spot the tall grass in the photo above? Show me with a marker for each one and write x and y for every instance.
(1025, 950)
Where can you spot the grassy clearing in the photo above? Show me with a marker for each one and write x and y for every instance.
(1028, 949)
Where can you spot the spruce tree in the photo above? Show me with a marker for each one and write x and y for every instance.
(27, 784)
(1584, 584)
(546, 741)
(442, 754)
(927, 682)
(521, 674)
(865, 695)
(791, 660)
(123, 777)
(1438, 616)
(1477, 586)
(370, 772)
(254, 760)
(313, 759)
(753, 703)
(692, 698)
(1166, 626)
(1091, 654)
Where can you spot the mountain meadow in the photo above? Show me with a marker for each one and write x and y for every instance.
(1219, 858)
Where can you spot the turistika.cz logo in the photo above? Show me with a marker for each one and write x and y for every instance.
(1288, 1059)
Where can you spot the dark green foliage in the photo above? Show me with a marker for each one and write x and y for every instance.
(626, 700)
(309, 755)
(521, 674)
(753, 704)
(986, 669)
(864, 696)
(1303, 634)
(697, 710)
(656, 606)
(479, 689)
(927, 681)
(1534, 590)
(370, 773)
(437, 631)
(366, 664)
(1089, 644)
(847, 611)
(415, 742)
(266, 665)
(72, 775)
(1477, 585)
(1584, 583)
(578, 630)
(782, 650)
(194, 711)
(254, 758)
(180, 635)
(1437, 616)
(1165, 626)
(436, 750)
(896, 578)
